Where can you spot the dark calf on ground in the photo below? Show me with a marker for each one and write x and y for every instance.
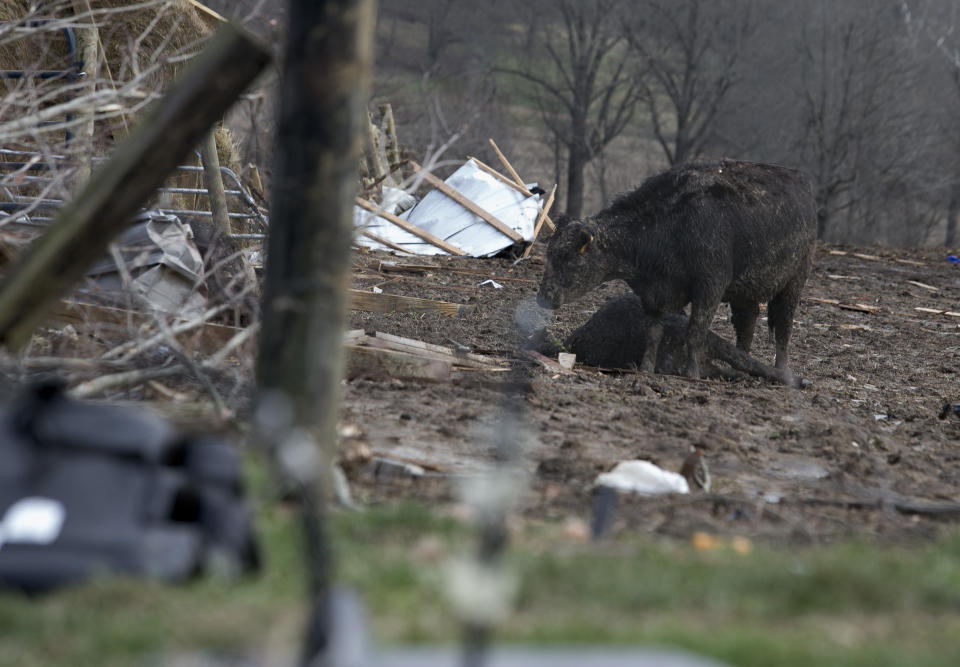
(615, 337)
(698, 234)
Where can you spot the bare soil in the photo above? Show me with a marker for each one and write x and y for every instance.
(860, 452)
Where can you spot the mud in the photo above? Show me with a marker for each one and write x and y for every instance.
(860, 452)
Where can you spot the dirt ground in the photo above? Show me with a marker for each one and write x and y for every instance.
(860, 452)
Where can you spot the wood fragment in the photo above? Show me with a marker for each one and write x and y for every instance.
(546, 362)
(103, 383)
(486, 216)
(872, 258)
(364, 361)
(910, 262)
(937, 311)
(917, 283)
(859, 307)
(540, 219)
(466, 359)
(429, 267)
(413, 229)
(395, 303)
(385, 242)
(506, 163)
(519, 187)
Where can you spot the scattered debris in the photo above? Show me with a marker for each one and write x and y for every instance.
(567, 360)
(937, 311)
(644, 478)
(490, 281)
(917, 283)
(156, 261)
(473, 212)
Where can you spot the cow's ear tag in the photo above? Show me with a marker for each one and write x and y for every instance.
(583, 248)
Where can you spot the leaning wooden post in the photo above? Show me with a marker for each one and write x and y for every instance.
(213, 181)
(390, 132)
(81, 231)
(88, 41)
(325, 87)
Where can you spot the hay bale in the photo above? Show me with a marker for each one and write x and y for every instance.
(133, 36)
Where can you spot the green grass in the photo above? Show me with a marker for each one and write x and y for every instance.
(853, 603)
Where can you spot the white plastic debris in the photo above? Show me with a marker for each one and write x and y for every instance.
(444, 218)
(33, 520)
(567, 359)
(376, 290)
(495, 284)
(644, 478)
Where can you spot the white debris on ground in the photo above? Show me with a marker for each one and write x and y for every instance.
(644, 478)
(444, 218)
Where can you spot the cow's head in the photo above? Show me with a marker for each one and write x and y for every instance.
(575, 264)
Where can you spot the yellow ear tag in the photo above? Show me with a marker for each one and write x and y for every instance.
(583, 249)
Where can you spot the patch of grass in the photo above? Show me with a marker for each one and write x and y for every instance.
(853, 603)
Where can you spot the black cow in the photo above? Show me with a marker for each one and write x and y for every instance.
(615, 337)
(697, 234)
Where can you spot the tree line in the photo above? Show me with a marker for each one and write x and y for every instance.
(862, 94)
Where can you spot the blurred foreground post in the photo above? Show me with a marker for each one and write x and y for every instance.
(326, 76)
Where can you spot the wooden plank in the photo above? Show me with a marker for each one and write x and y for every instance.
(413, 229)
(364, 361)
(394, 303)
(936, 311)
(859, 307)
(506, 163)
(519, 187)
(540, 219)
(513, 174)
(467, 204)
(413, 344)
(385, 242)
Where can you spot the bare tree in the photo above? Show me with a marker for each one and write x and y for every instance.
(583, 78)
(936, 25)
(690, 52)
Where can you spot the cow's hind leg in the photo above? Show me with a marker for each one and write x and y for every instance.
(701, 316)
(780, 312)
(744, 318)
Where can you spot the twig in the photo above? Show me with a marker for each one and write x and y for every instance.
(125, 379)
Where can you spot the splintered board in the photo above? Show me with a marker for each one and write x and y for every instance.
(394, 303)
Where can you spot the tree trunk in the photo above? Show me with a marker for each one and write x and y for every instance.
(953, 211)
(576, 162)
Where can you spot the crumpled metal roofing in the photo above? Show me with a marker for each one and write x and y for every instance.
(439, 215)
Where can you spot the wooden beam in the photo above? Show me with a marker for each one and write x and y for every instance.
(81, 231)
(413, 229)
(467, 204)
(395, 303)
(506, 163)
(540, 219)
(520, 186)
(385, 242)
